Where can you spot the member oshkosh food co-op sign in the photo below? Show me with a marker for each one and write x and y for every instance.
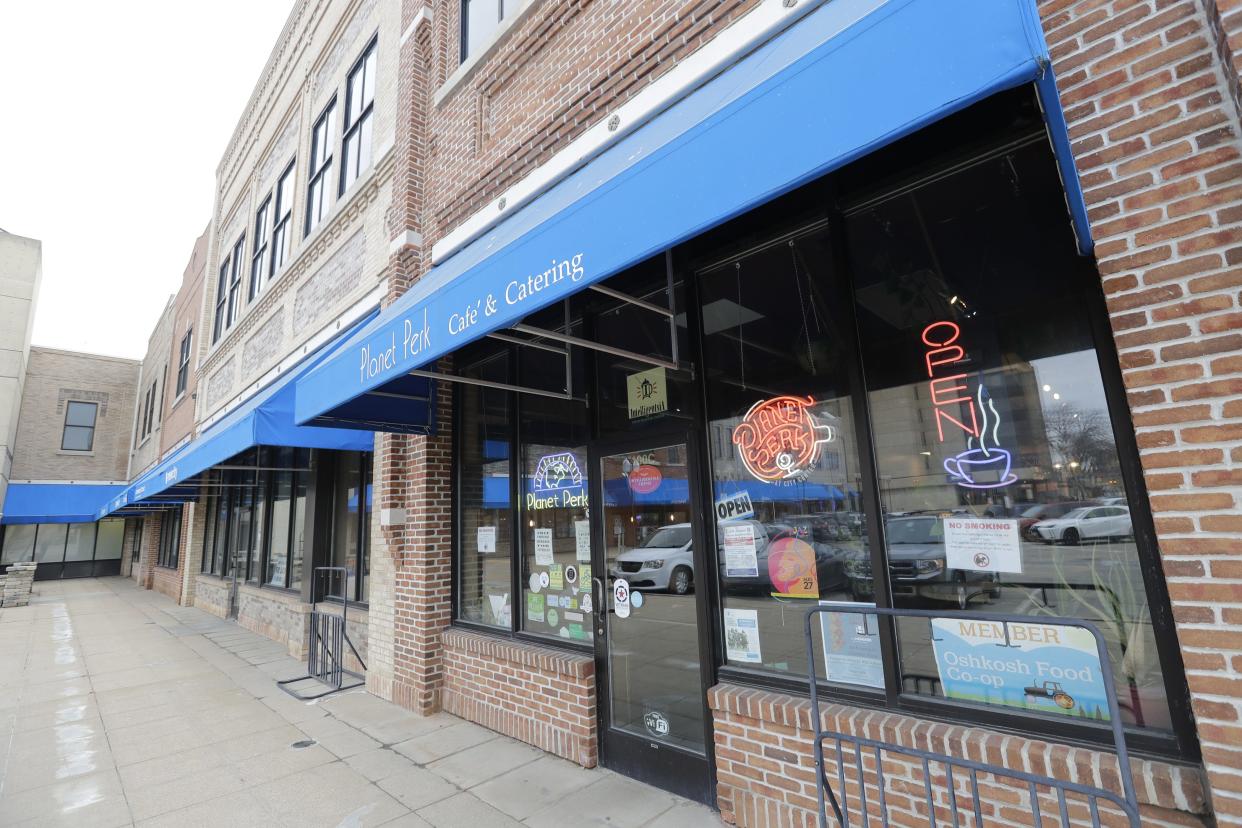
(1033, 666)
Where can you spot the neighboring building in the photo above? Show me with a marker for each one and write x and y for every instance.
(152, 391)
(21, 268)
(178, 422)
(71, 454)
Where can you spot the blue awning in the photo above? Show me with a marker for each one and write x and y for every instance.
(266, 419)
(849, 78)
(56, 502)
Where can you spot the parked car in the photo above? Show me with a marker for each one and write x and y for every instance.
(663, 562)
(1086, 523)
(1047, 511)
(918, 567)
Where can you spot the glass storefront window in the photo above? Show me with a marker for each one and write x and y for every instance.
(50, 543)
(351, 525)
(790, 522)
(484, 577)
(278, 556)
(110, 541)
(998, 466)
(297, 548)
(19, 542)
(81, 545)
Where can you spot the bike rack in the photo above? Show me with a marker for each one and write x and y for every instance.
(861, 763)
(329, 636)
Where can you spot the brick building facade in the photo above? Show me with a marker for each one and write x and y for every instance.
(474, 132)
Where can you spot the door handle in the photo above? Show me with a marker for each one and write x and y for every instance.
(601, 609)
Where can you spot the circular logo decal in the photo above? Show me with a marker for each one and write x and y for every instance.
(535, 583)
(645, 479)
(553, 618)
(636, 598)
(571, 574)
(780, 438)
(544, 580)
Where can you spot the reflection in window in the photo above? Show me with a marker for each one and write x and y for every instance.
(19, 541)
(50, 543)
(484, 569)
(351, 525)
(784, 464)
(81, 543)
(480, 20)
(79, 434)
(988, 405)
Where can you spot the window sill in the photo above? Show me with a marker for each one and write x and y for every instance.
(72, 453)
(520, 637)
(467, 68)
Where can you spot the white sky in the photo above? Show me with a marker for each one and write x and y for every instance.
(114, 117)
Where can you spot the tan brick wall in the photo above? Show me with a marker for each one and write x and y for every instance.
(54, 378)
(541, 695)
(178, 421)
(153, 381)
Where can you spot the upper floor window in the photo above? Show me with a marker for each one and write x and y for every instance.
(258, 260)
(79, 434)
(183, 362)
(284, 219)
(148, 413)
(359, 103)
(479, 21)
(222, 292)
(235, 271)
(318, 193)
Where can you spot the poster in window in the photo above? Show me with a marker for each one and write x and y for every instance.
(741, 558)
(1043, 667)
(487, 540)
(582, 539)
(742, 636)
(791, 568)
(983, 544)
(543, 547)
(851, 645)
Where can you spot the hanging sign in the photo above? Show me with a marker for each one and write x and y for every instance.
(1033, 666)
(735, 506)
(647, 393)
(645, 479)
(791, 568)
(780, 439)
(983, 544)
(984, 464)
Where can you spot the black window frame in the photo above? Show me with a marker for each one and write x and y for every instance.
(464, 42)
(352, 131)
(90, 442)
(235, 279)
(282, 219)
(183, 362)
(258, 258)
(322, 157)
(222, 284)
(366, 471)
(168, 555)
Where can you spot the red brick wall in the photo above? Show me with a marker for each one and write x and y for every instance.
(169, 581)
(543, 696)
(766, 768)
(1152, 115)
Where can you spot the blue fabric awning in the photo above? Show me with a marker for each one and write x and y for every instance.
(266, 419)
(849, 78)
(56, 502)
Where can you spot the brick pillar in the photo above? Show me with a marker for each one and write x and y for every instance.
(190, 559)
(1150, 101)
(149, 550)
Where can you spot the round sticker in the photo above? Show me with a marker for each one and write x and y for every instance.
(553, 618)
(535, 583)
(571, 574)
(645, 479)
(636, 598)
(543, 579)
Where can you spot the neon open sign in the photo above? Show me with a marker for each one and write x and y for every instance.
(987, 465)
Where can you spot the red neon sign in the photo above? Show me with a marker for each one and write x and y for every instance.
(950, 389)
(779, 439)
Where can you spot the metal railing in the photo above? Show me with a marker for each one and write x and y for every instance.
(864, 765)
(329, 638)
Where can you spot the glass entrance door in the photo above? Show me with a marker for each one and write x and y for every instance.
(649, 650)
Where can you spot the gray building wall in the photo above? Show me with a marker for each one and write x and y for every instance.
(21, 268)
(54, 377)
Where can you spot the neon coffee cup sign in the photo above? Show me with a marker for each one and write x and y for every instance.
(984, 464)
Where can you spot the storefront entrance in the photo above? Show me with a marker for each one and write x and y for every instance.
(652, 662)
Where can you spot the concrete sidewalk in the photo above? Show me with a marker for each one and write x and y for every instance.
(118, 707)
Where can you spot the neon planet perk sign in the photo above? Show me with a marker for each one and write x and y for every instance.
(780, 439)
(557, 483)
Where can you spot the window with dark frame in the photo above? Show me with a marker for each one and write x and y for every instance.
(183, 362)
(258, 260)
(281, 235)
(79, 430)
(222, 295)
(480, 19)
(235, 281)
(351, 525)
(359, 104)
(168, 554)
(319, 193)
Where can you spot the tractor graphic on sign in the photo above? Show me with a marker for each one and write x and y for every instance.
(1051, 690)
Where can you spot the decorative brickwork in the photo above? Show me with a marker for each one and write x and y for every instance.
(543, 696)
(1152, 111)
